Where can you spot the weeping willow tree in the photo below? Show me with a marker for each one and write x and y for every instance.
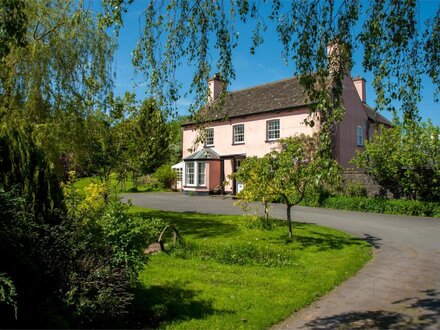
(55, 69)
(397, 47)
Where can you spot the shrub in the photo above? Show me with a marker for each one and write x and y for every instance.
(165, 176)
(356, 189)
(128, 236)
(380, 205)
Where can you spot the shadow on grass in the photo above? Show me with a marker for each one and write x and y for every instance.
(197, 225)
(305, 237)
(159, 305)
(423, 313)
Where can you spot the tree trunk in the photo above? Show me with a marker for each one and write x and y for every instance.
(266, 210)
(289, 221)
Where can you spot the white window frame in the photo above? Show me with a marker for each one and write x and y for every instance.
(189, 174)
(198, 174)
(359, 136)
(273, 133)
(209, 137)
(201, 174)
(238, 132)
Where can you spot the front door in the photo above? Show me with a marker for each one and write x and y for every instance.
(238, 185)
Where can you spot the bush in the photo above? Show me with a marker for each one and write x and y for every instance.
(165, 176)
(380, 205)
(355, 189)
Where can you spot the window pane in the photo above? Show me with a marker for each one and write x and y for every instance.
(209, 137)
(360, 136)
(189, 173)
(238, 132)
(201, 174)
(273, 129)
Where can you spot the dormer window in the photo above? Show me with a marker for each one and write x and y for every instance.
(209, 137)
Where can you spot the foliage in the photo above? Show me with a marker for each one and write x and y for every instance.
(147, 138)
(226, 273)
(256, 175)
(257, 222)
(405, 160)
(355, 189)
(54, 70)
(8, 295)
(23, 165)
(165, 176)
(63, 267)
(128, 236)
(391, 38)
(286, 174)
(381, 205)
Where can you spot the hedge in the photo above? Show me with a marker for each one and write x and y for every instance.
(380, 205)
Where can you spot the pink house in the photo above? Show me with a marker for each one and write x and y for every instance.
(251, 121)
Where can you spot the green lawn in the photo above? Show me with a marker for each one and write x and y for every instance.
(229, 276)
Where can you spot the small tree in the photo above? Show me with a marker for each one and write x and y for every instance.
(255, 174)
(285, 174)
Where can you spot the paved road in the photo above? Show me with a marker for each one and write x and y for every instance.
(398, 289)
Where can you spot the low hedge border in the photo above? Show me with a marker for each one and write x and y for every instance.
(380, 205)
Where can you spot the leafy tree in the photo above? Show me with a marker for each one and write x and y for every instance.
(286, 174)
(297, 166)
(405, 160)
(388, 32)
(147, 137)
(256, 175)
(54, 69)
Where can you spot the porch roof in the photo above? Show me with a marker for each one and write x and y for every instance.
(203, 154)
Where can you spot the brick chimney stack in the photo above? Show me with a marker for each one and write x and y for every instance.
(359, 83)
(216, 86)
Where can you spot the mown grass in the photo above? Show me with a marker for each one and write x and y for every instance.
(227, 275)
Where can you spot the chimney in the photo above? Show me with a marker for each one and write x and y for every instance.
(359, 83)
(216, 86)
(337, 52)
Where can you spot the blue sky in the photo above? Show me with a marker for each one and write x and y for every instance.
(265, 66)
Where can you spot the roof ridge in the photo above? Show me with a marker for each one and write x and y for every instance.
(263, 85)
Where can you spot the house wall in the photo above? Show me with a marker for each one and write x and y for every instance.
(346, 141)
(291, 123)
(213, 177)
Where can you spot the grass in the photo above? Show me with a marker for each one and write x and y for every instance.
(228, 275)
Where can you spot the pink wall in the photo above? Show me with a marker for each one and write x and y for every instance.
(355, 115)
(291, 122)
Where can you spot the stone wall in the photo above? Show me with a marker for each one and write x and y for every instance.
(352, 175)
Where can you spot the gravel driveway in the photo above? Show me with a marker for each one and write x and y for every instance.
(398, 289)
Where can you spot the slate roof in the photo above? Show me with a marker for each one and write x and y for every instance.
(279, 95)
(202, 154)
(274, 96)
(375, 116)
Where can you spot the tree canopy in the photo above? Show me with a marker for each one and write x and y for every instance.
(397, 47)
